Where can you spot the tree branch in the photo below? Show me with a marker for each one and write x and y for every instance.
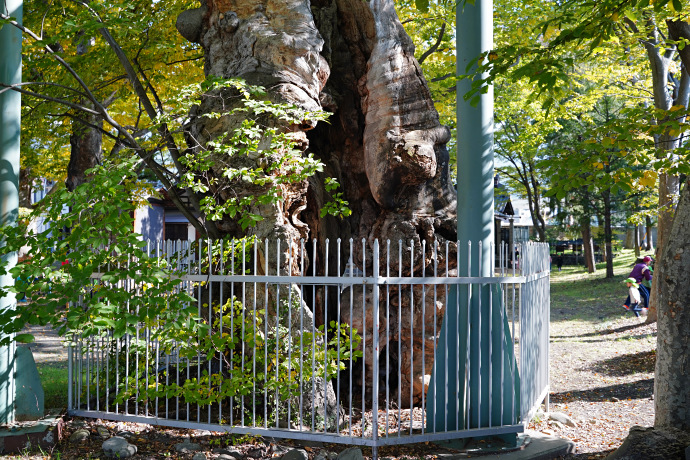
(42, 83)
(48, 98)
(435, 46)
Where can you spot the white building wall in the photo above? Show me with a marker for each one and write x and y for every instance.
(149, 222)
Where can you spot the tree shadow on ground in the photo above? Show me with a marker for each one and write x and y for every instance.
(633, 390)
(617, 330)
(587, 456)
(623, 365)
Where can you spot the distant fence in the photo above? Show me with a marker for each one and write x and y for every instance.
(332, 342)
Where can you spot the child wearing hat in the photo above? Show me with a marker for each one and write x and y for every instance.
(632, 303)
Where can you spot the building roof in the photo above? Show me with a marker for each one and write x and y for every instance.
(503, 206)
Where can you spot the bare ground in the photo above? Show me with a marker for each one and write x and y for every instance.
(602, 363)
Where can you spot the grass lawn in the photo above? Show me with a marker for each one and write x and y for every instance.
(54, 380)
(573, 287)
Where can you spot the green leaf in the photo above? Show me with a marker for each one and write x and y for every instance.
(24, 338)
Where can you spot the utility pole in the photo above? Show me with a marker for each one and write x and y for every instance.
(466, 396)
(10, 121)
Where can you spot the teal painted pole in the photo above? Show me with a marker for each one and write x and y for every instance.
(475, 139)
(471, 385)
(10, 120)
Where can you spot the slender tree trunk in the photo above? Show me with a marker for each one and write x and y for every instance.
(637, 240)
(533, 198)
(588, 244)
(668, 189)
(608, 233)
(541, 223)
(629, 240)
(25, 188)
(649, 244)
(86, 151)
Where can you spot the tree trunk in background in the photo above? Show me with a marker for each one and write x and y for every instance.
(608, 233)
(86, 151)
(649, 245)
(629, 238)
(25, 187)
(588, 244)
(668, 185)
(384, 143)
(534, 202)
(668, 188)
(671, 389)
(637, 241)
(86, 141)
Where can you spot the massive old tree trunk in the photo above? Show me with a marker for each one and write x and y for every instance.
(383, 142)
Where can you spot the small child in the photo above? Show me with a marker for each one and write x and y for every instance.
(632, 303)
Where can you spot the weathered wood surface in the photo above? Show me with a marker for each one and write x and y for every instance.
(383, 143)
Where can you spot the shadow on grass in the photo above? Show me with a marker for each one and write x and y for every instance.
(634, 390)
(629, 364)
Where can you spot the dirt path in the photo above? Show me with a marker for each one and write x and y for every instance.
(48, 347)
(602, 363)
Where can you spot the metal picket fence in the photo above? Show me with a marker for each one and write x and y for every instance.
(331, 342)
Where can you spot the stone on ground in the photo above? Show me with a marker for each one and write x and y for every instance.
(118, 447)
(353, 453)
(187, 447)
(199, 456)
(562, 418)
(80, 435)
(295, 454)
(228, 453)
(103, 432)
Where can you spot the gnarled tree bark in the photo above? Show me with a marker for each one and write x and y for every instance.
(383, 143)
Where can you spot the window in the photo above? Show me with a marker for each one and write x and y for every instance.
(176, 231)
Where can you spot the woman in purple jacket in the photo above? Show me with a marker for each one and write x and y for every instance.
(641, 271)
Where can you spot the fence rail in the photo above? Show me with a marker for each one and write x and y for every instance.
(334, 342)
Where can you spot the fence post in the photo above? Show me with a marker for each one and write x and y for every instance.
(376, 350)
